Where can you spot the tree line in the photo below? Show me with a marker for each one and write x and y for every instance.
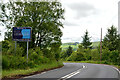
(85, 52)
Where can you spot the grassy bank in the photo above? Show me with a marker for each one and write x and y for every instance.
(95, 62)
(21, 72)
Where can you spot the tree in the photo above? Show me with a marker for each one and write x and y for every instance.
(7, 18)
(64, 54)
(86, 41)
(44, 18)
(78, 55)
(111, 46)
(111, 39)
(69, 51)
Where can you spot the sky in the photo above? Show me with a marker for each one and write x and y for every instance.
(82, 15)
(91, 15)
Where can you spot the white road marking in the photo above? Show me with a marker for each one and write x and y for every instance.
(43, 72)
(35, 75)
(113, 68)
(72, 74)
(116, 69)
(83, 66)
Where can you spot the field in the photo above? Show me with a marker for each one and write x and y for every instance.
(75, 45)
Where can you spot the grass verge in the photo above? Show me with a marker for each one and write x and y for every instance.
(22, 73)
(95, 62)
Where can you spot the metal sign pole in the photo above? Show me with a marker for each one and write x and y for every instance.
(27, 51)
(22, 34)
(15, 46)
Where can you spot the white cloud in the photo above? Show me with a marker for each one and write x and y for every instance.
(88, 14)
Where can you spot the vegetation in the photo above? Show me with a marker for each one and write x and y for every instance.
(67, 53)
(110, 54)
(112, 39)
(86, 41)
(111, 46)
(95, 45)
(75, 45)
(13, 72)
(43, 17)
(44, 48)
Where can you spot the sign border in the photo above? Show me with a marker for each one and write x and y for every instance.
(22, 40)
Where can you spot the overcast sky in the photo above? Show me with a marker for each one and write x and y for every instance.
(86, 14)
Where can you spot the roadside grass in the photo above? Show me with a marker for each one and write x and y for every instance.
(12, 73)
(95, 62)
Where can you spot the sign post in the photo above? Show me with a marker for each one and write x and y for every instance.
(15, 47)
(27, 50)
(22, 34)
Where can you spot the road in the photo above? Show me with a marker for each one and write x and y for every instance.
(79, 71)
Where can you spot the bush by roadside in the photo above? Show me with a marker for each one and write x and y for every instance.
(18, 73)
(14, 62)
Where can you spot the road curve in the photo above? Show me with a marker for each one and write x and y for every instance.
(79, 71)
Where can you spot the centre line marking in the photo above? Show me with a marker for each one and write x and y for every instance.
(72, 74)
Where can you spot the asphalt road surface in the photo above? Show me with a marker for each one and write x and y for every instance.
(79, 71)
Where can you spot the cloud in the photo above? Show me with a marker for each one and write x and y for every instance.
(71, 39)
(78, 39)
(82, 9)
(70, 23)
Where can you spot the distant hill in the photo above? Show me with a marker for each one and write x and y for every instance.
(75, 45)
(66, 45)
(95, 44)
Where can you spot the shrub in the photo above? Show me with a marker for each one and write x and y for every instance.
(36, 56)
(8, 47)
(30, 64)
(114, 56)
(5, 46)
(106, 55)
(18, 61)
(5, 62)
(76, 56)
(110, 57)
(33, 56)
(44, 60)
(95, 55)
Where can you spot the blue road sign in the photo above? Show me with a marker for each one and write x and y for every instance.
(21, 33)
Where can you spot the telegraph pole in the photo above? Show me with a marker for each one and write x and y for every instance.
(101, 47)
